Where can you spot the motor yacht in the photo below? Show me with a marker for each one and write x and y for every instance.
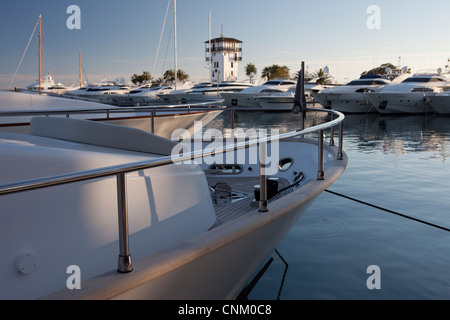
(117, 214)
(412, 94)
(275, 100)
(247, 97)
(352, 97)
(176, 96)
(47, 85)
(209, 92)
(17, 109)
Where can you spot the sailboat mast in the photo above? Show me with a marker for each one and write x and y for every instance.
(175, 40)
(210, 51)
(40, 52)
(79, 64)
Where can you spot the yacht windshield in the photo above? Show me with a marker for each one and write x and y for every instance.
(423, 79)
(365, 83)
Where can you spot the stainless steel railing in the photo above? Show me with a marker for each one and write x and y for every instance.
(120, 171)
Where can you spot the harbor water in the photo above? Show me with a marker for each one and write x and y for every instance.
(399, 163)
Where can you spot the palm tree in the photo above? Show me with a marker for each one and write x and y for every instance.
(250, 71)
(169, 76)
(308, 76)
(322, 77)
(275, 72)
(141, 78)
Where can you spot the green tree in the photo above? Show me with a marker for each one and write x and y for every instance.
(169, 76)
(250, 70)
(379, 70)
(308, 76)
(275, 72)
(322, 77)
(141, 78)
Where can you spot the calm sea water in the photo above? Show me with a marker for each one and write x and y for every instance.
(401, 163)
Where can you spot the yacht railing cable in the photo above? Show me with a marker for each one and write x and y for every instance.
(387, 210)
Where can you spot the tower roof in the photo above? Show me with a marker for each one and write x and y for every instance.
(224, 39)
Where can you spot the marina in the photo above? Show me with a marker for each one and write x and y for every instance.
(228, 172)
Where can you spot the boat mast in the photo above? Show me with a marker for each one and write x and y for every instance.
(40, 51)
(175, 40)
(79, 66)
(210, 52)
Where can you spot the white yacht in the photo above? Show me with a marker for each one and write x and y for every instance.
(150, 92)
(47, 85)
(247, 97)
(100, 91)
(411, 95)
(352, 97)
(210, 92)
(176, 96)
(21, 105)
(274, 100)
(143, 96)
(119, 218)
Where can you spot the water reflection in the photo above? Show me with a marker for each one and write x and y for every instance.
(368, 133)
(399, 134)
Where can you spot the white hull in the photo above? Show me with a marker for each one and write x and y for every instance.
(276, 103)
(180, 248)
(247, 100)
(164, 124)
(348, 102)
(392, 103)
(441, 104)
(235, 262)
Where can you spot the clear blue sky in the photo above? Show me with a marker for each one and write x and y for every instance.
(120, 38)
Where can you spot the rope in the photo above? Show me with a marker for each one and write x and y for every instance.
(23, 55)
(387, 210)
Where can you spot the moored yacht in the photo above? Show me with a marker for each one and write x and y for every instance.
(412, 94)
(17, 108)
(176, 96)
(47, 85)
(210, 92)
(216, 90)
(274, 100)
(352, 97)
(247, 97)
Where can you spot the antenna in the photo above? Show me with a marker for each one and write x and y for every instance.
(40, 51)
(175, 40)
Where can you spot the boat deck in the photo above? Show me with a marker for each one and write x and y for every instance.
(243, 196)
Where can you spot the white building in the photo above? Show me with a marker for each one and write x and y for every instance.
(224, 55)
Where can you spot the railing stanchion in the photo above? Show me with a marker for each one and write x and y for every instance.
(124, 265)
(332, 132)
(153, 120)
(320, 174)
(341, 141)
(263, 203)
